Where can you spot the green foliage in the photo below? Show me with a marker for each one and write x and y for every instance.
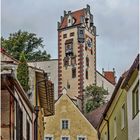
(23, 72)
(95, 97)
(27, 42)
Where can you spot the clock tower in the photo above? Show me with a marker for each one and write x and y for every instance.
(76, 53)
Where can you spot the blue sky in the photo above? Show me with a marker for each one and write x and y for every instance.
(116, 22)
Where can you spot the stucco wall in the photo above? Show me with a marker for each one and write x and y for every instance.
(102, 82)
(115, 111)
(79, 125)
(133, 124)
(51, 67)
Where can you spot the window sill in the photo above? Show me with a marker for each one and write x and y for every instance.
(135, 115)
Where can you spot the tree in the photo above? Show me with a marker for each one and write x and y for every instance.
(95, 96)
(28, 43)
(23, 72)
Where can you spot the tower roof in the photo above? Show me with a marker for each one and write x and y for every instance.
(76, 15)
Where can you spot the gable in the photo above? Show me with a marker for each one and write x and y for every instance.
(66, 109)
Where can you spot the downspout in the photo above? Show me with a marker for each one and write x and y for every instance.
(108, 134)
(36, 112)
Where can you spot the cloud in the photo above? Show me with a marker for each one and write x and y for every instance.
(116, 22)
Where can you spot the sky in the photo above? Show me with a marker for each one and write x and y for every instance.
(116, 21)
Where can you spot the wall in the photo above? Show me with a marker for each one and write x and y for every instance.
(115, 111)
(79, 125)
(51, 67)
(102, 82)
(133, 124)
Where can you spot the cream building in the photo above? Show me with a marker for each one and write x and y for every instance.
(68, 123)
(76, 52)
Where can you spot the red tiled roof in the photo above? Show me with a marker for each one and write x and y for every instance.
(110, 76)
(95, 116)
(76, 15)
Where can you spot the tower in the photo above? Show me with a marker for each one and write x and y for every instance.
(76, 52)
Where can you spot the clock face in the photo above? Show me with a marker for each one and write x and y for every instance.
(89, 42)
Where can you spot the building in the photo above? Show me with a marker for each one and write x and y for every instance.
(131, 85)
(76, 52)
(17, 113)
(68, 123)
(113, 123)
(105, 81)
(40, 94)
(51, 68)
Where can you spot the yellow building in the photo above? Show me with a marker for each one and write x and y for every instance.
(68, 123)
(113, 124)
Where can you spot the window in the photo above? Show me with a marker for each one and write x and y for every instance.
(73, 60)
(19, 123)
(65, 138)
(48, 138)
(105, 136)
(28, 131)
(123, 116)
(81, 137)
(64, 35)
(81, 32)
(69, 49)
(66, 61)
(65, 124)
(87, 61)
(135, 100)
(115, 128)
(86, 73)
(71, 34)
(73, 72)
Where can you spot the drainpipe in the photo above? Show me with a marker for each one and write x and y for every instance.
(107, 128)
(36, 112)
(37, 108)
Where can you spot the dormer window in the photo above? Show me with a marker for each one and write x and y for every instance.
(69, 20)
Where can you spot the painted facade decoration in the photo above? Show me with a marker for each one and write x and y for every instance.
(76, 42)
(68, 122)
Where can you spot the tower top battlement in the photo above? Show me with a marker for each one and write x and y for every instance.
(82, 17)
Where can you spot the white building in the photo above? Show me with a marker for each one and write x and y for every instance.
(51, 67)
(131, 84)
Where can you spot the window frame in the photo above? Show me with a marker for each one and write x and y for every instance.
(115, 128)
(87, 74)
(64, 36)
(81, 136)
(66, 136)
(49, 136)
(135, 100)
(123, 117)
(73, 70)
(62, 124)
